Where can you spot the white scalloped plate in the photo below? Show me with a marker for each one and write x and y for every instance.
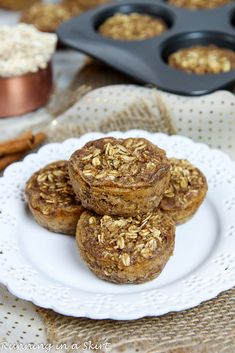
(45, 268)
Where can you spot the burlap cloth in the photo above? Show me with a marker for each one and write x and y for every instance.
(209, 328)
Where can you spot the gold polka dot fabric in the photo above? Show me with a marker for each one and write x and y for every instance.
(208, 119)
(19, 321)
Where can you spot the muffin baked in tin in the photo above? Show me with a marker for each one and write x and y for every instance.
(203, 60)
(133, 26)
(124, 177)
(51, 198)
(199, 4)
(126, 250)
(186, 192)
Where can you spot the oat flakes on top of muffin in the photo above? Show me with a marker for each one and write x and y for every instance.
(203, 60)
(186, 192)
(126, 250)
(51, 198)
(122, 177)
(133, 26)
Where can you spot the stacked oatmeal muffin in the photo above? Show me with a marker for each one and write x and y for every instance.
(122, 199)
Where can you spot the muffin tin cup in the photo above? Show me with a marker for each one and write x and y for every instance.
(25, 93)
(146, 60)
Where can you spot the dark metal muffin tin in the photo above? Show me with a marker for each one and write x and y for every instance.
(146, 60)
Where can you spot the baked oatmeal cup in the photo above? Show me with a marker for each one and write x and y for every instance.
(133, 26)
(202, 60)
(186, 192)
(51, 199)
(122, 177)
(126, 250)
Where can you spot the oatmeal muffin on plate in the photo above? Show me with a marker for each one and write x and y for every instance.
(126, 250)
(51, 198)
(186, 192)
(122, 177)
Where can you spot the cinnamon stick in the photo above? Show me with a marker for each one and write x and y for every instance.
(33, 142)
(7, 160)
(19, 144)
(26, 142)
(38, 138)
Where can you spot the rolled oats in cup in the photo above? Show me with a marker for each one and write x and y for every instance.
(25, 63)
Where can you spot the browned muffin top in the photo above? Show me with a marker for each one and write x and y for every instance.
(132, 162)
(199, 4)
(186, 182)
(126, 241)
(84, 5)
(16, 4)
(46, 17)
(132, 26)
(50, 188)
(203, 60)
